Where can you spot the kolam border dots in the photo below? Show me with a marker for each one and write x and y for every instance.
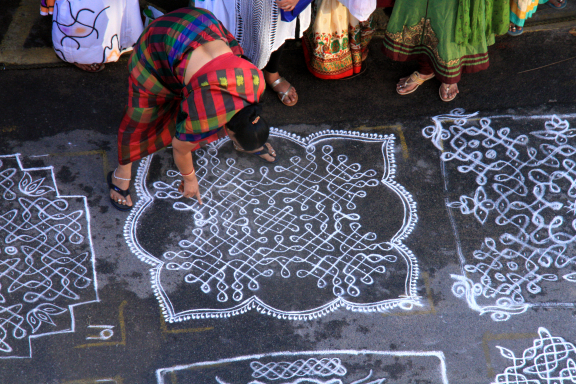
(405, 302)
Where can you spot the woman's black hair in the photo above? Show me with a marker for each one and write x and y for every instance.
(249, 128)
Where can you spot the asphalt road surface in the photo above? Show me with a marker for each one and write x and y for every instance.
(396, 240)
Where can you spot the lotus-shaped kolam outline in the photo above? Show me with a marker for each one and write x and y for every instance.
(236, 274)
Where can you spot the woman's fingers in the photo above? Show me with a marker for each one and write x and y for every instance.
(190, 191)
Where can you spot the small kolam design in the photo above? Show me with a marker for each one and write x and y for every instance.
(550, 360)
(294, 222)
(46, 257)
(525, 190)
(310, 367)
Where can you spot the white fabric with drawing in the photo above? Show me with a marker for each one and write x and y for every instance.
(360, 9)
(95, 31)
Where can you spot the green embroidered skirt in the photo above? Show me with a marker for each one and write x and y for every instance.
(429, 29)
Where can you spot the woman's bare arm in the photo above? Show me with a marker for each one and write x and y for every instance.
(183, 159)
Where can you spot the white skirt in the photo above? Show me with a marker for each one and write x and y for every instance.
(256, 25)
(360, 9)
(95, 31)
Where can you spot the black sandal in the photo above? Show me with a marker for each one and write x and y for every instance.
(123, 192)
(264, 151)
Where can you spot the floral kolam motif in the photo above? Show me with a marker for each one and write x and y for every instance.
(46, 257)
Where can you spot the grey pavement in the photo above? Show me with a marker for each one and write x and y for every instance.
(397, 239)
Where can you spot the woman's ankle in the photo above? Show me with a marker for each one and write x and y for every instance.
(271, 77)
(123, 173)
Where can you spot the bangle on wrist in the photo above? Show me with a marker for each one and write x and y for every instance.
(188, 174)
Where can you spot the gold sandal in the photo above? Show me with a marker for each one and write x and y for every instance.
(416, 79)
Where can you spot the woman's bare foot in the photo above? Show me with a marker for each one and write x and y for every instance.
(407, 85)
(281, 87)
(121, 179)
(448, 92)
(557, 4)
(269, 154)
(96, 67)
(515, 30)
(266, 152)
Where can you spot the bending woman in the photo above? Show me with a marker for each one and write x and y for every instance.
(187, 87)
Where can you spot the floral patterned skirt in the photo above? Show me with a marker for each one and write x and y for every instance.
(336, 43)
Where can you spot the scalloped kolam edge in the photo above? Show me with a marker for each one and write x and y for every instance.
(404, 302)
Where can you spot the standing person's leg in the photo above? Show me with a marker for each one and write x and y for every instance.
(556, 4)
(119, 184)
(46, 7)
(448, 91)
(520, 11)
(286, 92)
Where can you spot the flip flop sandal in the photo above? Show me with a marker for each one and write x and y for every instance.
(449, 98)
(123, 192)
(264, 151)
(561, 6)
(282, 95)
(515, 30)
(415, 77)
